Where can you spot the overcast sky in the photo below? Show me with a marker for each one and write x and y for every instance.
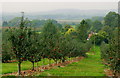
(48, 6)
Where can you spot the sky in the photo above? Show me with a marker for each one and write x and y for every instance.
(59, 0)
(31, 7)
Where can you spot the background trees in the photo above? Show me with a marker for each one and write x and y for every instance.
(97, 25)
(111, 19)
(49, 36)
(99, 37)
(110, 51)
(82, 31)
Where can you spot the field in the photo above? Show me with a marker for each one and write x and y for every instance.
(68, 21)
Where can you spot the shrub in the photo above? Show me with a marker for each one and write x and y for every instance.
(110, 53)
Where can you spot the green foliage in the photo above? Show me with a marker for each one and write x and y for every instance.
(107, 29)
(99, 37)
(19, 39)
(14, 22)
(97, 25)
(67, 27)
(90, 23)
(110, 51)
(34, 23)
(97, 18)
(111, 19)
(86, 46)
(82, 31)
(6, 47)
(87, 67)
(71, 32)
(37, 23)
(5, 23)
(111, 54)
(28, 44)
(58, 46)
(104, 51)
(34, 49)
(50, 34)
(5, 54)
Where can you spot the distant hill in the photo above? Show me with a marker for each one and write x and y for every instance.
(60, 14)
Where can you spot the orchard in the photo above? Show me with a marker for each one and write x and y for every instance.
(26, 44)
(60, 43)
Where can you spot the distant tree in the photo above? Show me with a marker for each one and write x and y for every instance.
(5, 23)
(34, 23)
(82, 31)
(110, 53)
(90, 24)
(37, 23)
(49, 35)
(97, 25)
(97, 18)
(99, 38)
(71, 32)
(111, 19)
(14, 22)
(67, 27)
(58, 25)
(89, 21)
(109, 31)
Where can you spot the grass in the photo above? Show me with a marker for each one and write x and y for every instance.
(90, 66)
(12, 67)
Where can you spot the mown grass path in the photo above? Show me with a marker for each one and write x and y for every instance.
(90, 66)
(26, 65)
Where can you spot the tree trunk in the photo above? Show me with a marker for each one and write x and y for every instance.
(63, 60)
(43, 61)
(33, 65)
(19, 68)
(56, 61)
(69, 58)
(37, 64)
(49, 62)
(60, 60)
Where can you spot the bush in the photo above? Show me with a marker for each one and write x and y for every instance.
(99, 38)
(110, 53)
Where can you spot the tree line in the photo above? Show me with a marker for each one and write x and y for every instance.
(24, 43)
(58, 43)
